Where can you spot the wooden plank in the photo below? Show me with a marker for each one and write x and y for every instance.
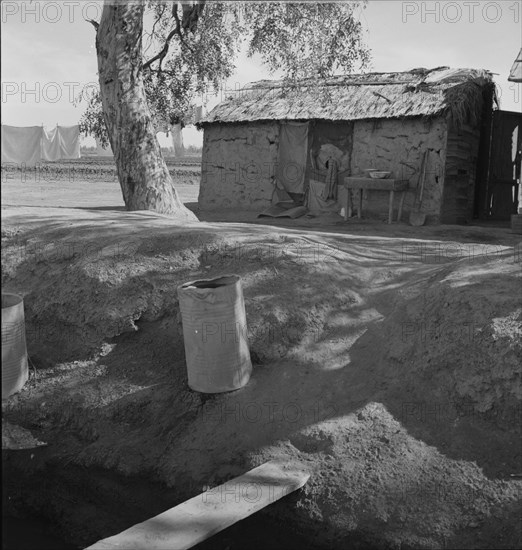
(205, 515)
(376, 184)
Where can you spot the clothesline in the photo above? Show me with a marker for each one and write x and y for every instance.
(31, 144)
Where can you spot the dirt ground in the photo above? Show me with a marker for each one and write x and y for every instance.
(386, 358)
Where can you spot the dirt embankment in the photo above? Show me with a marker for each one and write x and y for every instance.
(395, 379)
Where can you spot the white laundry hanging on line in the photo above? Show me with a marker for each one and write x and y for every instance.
(69, 141)
(31, 144)
(51, 149)
(61, 143)
(22, 145)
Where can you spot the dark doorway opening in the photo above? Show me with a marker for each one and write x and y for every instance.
(501, 186)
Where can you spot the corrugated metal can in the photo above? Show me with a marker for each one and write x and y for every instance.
(215, 334)
(15, 371)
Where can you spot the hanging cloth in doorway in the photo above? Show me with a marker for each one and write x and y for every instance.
(330, 190)
(293, 150)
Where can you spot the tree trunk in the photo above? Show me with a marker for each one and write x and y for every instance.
(177, 140)
(144, 177)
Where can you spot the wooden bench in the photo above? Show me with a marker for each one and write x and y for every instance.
(361, 184)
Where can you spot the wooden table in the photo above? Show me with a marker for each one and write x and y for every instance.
(374, 184)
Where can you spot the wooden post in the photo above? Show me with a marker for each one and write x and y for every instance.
(401, 203)
(390, 208)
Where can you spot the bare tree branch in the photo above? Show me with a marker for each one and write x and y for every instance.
(94, 23)
(163, 52)
(190, 16)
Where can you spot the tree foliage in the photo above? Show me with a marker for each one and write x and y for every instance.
(307, 39)
(190, 49)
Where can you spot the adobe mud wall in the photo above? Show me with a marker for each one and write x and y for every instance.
(398, 146)
(238, 165)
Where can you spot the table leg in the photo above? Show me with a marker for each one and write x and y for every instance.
(401, 203)
(359, 212)
(347, 207)
(390, 208)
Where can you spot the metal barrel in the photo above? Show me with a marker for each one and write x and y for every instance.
(15, 370)
(215, 334)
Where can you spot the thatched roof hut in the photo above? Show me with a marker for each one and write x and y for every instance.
(414, 110)
(419, 92)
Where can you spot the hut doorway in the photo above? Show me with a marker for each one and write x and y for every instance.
(505, 159)
(328, 141)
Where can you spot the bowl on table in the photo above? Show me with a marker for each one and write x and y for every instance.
(379, 175)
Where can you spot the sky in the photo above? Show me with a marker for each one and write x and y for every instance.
(48, 53)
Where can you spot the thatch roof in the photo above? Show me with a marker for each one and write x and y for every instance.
(415, 93)
(515, 75)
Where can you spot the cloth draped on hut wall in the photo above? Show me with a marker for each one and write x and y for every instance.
(293, 151)
(29, 145)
